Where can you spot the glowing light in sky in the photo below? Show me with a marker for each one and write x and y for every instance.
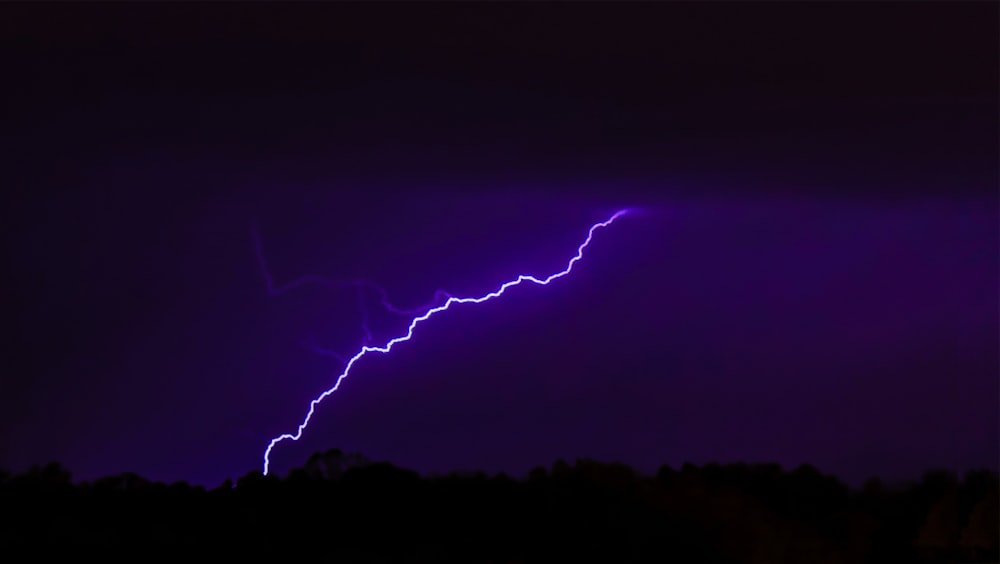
(366, 349)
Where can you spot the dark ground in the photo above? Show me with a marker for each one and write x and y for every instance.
(344, 508)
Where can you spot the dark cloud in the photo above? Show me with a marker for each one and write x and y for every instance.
(809, 274)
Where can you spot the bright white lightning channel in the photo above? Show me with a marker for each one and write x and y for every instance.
(420, 319)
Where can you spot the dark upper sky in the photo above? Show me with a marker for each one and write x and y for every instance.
(811, 274)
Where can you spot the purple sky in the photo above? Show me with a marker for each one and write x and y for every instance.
(810, 275)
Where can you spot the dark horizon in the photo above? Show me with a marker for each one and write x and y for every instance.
(811, 276)
(313, 467)
(592, 509)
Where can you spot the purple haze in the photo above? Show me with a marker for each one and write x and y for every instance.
(811, 274)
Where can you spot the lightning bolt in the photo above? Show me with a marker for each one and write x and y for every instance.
(452, 300)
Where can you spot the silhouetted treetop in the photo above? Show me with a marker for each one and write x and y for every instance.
(582, 510)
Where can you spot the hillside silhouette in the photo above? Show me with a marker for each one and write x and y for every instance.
(347, 508)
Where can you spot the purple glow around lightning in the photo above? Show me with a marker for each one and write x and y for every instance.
(365, 349)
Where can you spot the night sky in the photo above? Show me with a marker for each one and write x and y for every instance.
(809, 275)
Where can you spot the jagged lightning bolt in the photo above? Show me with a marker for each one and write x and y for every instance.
(366, 349)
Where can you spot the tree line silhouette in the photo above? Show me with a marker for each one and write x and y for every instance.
(347, 508)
